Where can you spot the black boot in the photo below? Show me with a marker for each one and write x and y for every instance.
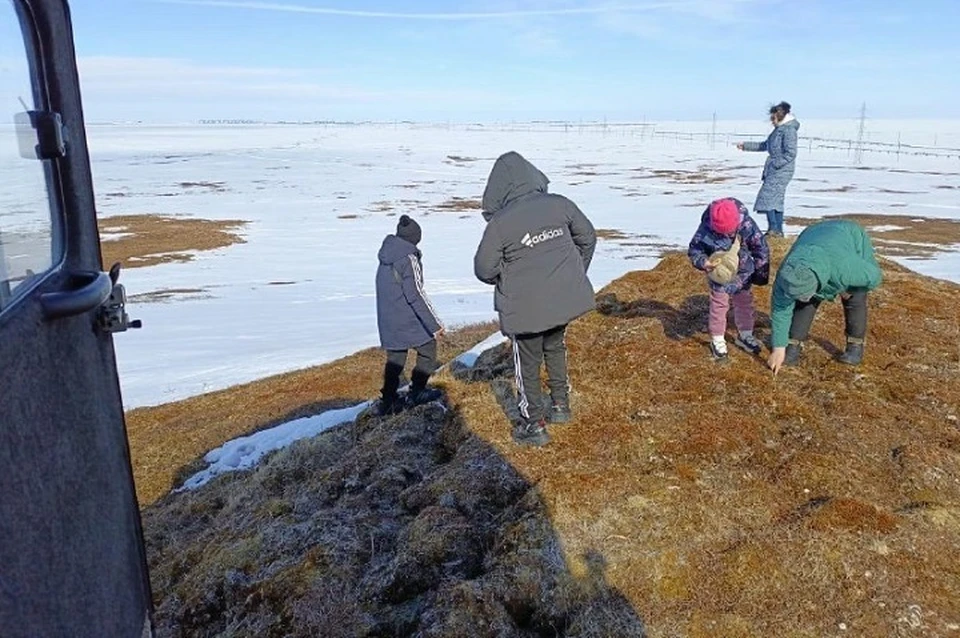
(388, 406)
(420, 397)
(419, 392)
(853, 356)
(794, 350)
(532, 433)
(389, 402)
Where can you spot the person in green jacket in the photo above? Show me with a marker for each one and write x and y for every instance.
(828, 259)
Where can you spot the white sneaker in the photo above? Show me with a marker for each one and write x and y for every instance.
(718, 348)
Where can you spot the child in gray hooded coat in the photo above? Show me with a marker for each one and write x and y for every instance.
(405, 318)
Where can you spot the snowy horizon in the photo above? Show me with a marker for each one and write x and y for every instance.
(319, 200)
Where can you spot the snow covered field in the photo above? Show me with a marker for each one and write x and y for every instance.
(320, 199)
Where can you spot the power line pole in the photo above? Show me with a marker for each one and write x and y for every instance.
(858, 155)
(713, 132)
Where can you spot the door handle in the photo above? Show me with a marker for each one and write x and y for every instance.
(85, 290)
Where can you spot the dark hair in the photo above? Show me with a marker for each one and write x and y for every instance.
(780, 110)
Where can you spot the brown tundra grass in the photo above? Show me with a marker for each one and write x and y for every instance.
(686, 499)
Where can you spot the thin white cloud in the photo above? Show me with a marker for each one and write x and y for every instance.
(694, 5)
(177, 78)
(182, 84)
(120, 68)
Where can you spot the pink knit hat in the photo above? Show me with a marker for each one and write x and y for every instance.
(724, 216)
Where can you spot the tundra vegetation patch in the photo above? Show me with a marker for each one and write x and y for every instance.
(902, 235)
(685, 499)
(138, 241)
(168, 440)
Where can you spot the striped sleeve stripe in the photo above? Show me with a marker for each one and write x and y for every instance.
(418, 279)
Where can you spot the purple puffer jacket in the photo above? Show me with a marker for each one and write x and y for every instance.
(754, 251)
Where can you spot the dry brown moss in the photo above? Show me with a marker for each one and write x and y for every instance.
(902, 235)
(459, 204)
(702, 175)
(165, 438)
(169, 294)
(148, 240)
(730, 502)
(611, 234)
(723, 500)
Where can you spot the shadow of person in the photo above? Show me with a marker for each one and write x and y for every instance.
(831, 348)
(409, 525)
(678, 323)
(608, 608)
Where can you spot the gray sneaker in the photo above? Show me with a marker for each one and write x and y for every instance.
(749, 343)
(560, 413)
(531, 433)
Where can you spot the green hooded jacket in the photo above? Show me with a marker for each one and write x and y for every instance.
(828, 258)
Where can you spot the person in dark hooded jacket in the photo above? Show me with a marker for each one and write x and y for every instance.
(405, 317)
(536, 250)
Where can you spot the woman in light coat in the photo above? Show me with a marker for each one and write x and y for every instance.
(781, 147)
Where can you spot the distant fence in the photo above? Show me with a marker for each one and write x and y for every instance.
(643, 130)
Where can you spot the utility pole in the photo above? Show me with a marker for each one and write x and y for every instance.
(713, 132)
(858, 155)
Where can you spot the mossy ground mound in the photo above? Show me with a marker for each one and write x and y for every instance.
(687, 498)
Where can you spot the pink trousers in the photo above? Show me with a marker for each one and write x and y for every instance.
(743, 314)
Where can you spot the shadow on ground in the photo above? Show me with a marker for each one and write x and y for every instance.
(406, 526)
(679, 323)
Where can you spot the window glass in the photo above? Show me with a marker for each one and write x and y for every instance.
(26, 221)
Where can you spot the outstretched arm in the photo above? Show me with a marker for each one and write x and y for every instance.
(781, 316)
(756, 147)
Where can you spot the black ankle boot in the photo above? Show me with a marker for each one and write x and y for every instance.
(794, 349)
(853, 355)
(388, 406)
(427, 395)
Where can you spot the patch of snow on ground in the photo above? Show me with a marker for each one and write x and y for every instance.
(886, 228)
(245, 452)
(469, 358)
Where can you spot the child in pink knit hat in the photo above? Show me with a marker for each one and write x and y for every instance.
(732, 250)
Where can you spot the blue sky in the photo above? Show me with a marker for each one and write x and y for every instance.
(516, 59)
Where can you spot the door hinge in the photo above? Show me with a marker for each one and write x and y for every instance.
(113, 313)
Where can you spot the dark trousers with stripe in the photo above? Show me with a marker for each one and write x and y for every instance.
(530, 351)
(854, 312)
(397, 359)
